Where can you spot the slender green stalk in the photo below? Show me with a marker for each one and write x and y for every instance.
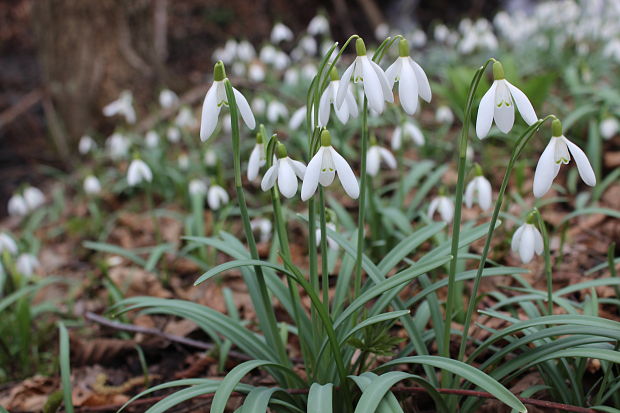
(362, 203)
(324, 266)
(548, 269)
(456, 226)
(272, 334)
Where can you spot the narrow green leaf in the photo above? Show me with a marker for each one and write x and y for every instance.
(320, 398)
(65, 368)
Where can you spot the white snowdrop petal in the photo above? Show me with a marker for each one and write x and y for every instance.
(343, 86)
(485, 193)
(415, 133)
(269, 179)
(311, 177)
(254, 163)
(210, 113)
(385, 87)
(516, 239)
(539, 245)
(324, 106)
(484, 119)
(523, 104)
(408, 90)
(393, 72)
(424, 87)
(432, 207)
(469, 194)
(372, 86)
(388, 158)
(583, 164)
(372, 161)
(526, 246)
(351, 104)
(298, 167)
(244, 109)
(504, 111)
(287, 180)
(345, 174)
(396, 138)
(446, 210)
(545, 170)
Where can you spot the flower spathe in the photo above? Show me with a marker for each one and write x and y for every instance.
(444, 205)
(363, 69)
(257, 158)
(375, 155)
(498, 104)
(412, 81)
(323, 167)
(285, 171)
(479, 189)
(344, 111)
(138, 172)
(216, 98)
(558, 152)
(526, 241)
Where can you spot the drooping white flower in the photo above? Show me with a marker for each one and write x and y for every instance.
(210, 158)
(309, 71)
(216, 98)
(259, 105)
(444, 205)
(526, 241)
(185, 118)
(609, 127)
(285, 171)
(276, 110)
(256, 72)
(264, 227)
(216, 197)
(183, 161)
(7, 243)
(343, 112)
(27, 264)
(381, 31)
(92, 186)
(122, 106)
(444, 115)
(117, 146)
(375, 155)
(331, 243)
(152, 139)
(239, 69)
(558, 152)
(412, 81)
(308, 45)
(480, 189)
(418, 38)
(323, 168)
(363, 69)
(34, 197)
(407, 130)
(138, 172)
(268, 54)
(173, 134)
(168, 99)
(318, 25)
(17, 206)
(281, 33)
(498, 103)
(197, 187)
(86, 144)
(291, 77)
(245, 51)
(257, 158)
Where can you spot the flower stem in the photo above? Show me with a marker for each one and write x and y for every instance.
(324, 266)
(362, 202)
(548, 268)
(272, 334)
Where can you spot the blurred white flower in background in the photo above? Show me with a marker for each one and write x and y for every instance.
(418, 38)
(27, 264)
(444, 115)
(382, 31)
(526, 241)
(318, 25)
(173, 134)
(264, 227)
(479, 189)
(117, 146)
(168, 99)
(86, 144)
(138, 172)
(331, 243)
(216, 197)
(444, 206)
(256, 72)
(185, 118)
(245, 51)
(183, 162)
(609, 127)
(34, 197)
(152, 139)
(281, 33)
(276, 110)
(122, 106)
(407, 130)
(17, 206)
(210, 158)
(268, 54)
(92, 186)
(281, 61)
(291, 76)
(298, 118)
(375, 155)
(197, 187)
(258, 105)
(238, 69)
(7, 243)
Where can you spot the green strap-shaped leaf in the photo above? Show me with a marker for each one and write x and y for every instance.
(65, 368)
(258, 400)
(167, 385)
(387, 404)
(320, 398)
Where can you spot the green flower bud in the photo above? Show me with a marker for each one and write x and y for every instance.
(333, 74)
(281, 151)
(360, 47)
(219, 72)
(403, 48)
(556, 128)
(498, 71)
(259, 137)
(326, 138)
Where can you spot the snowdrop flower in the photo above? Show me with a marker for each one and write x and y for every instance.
(268, 54)
(152, 139)
(527, 241)
(298, 118)
(346, 110)
(168, 99)
(7, 243)
(17, 206)
(216, 197)
(183, 162)
(92, 186)
(281, 33)
(197, 187)
(444, 205)
(375, 155)
(257, 158)
(238, 69)
(275, 111)
(281, 60)
(331, 243)
(27, 264)
(409, 130)
(263, 226)
(138, 172)
(122, 106)
(291, 76)
(86, 144)
(256, 72)
(185, 118)
(441, 33)
(323, 168)
(210, 158)
(444, 115)
(216, 98)
(258, 105)
(412, 81)
(318, 25)
(34, 197)
(376, 87)
(479, 188)
(286, 171)
(381, 31)
(173, 134)
(498, 103)
(609, 127)
(418, 38)
(245, 51)
(117, 146)
(308, 45)
(558, 152)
